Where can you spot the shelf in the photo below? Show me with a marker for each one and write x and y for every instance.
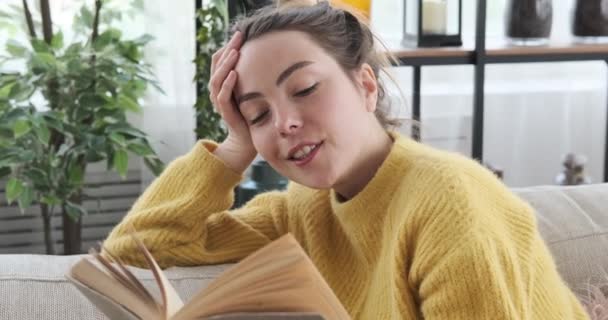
(430, 56)
(498, 52)
(491, 51)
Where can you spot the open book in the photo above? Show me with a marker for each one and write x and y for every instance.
(278, 281)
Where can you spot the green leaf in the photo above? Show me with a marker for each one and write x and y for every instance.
(130, 51)
(15, 48)
(140, 149)
(40, 46)
(94, 155)
(54, 120)
(26, 156)
(118, 138)
(87, 16)
(57, 42)
(50, 200)
(91, 101)
(129, 104)
(22, 92)
(5, 90)
(73, 49)
(37, 176)
(143, 40)
(14, 114)
(43, 133)
(46, 58)
(76, 175)
(21, 127)
(74, 211)
(38, 66)
(121, 162)
(26, 198)
(14, 188)
(126, 129)
(110, 120)
(102, 41)
(154, 164)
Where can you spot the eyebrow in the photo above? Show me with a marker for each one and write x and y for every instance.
(282, 77)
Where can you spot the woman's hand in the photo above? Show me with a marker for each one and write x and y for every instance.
(237, 150)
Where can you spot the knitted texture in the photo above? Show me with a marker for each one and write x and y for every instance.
(433, 235)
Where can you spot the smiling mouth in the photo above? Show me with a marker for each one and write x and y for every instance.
(306, 154)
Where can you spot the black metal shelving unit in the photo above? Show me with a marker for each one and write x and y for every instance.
(481, 55)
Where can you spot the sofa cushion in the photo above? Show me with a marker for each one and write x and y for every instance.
(573, 221)
(34, 287)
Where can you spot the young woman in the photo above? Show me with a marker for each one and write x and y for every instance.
(398, 229)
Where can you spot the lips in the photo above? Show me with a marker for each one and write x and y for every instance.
(301, 162)
(306, 147)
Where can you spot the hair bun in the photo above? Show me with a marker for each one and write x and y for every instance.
(281, 4)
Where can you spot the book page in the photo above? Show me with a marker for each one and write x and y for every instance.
(106, 305)
(277, 278)
(171, 303)
(92, 276)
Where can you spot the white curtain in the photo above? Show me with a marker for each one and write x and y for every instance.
(535, 113)
(170, 118)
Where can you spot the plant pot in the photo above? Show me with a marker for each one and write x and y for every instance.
(590, 20)
(528, 22)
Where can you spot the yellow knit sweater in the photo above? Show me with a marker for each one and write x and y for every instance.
(433, 235)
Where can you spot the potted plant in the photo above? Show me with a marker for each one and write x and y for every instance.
(88, 87)
(212, 25)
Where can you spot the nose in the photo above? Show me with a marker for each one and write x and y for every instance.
(288, 121)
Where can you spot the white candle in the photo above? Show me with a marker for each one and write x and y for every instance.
(434, 19)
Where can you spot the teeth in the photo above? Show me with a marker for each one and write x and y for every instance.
(303, 152)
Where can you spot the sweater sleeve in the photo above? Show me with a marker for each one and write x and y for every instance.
(183, 217)
(481, 257)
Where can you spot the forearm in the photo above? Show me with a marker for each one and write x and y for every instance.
(174, 208)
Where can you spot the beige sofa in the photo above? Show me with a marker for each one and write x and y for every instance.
(572, 220)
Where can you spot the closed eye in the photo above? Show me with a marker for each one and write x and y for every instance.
(259, 118)
(307, 91)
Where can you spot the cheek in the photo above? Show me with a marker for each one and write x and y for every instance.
(264, 143)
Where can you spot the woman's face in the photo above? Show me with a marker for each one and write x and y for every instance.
(306, 117)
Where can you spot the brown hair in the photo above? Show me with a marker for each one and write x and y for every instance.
(338, 31)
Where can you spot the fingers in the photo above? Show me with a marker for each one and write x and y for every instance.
(222, 62)
(220, 75)
(224, 98)
(235, 43)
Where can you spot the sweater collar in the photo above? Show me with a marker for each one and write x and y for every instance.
(373, 200)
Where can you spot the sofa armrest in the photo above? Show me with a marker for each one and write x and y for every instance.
(573, 221)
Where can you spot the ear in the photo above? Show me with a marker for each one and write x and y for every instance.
(369, 83)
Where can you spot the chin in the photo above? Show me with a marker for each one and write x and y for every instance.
(315, 182)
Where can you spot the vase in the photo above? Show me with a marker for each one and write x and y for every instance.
(528, 22)
(590, 20)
